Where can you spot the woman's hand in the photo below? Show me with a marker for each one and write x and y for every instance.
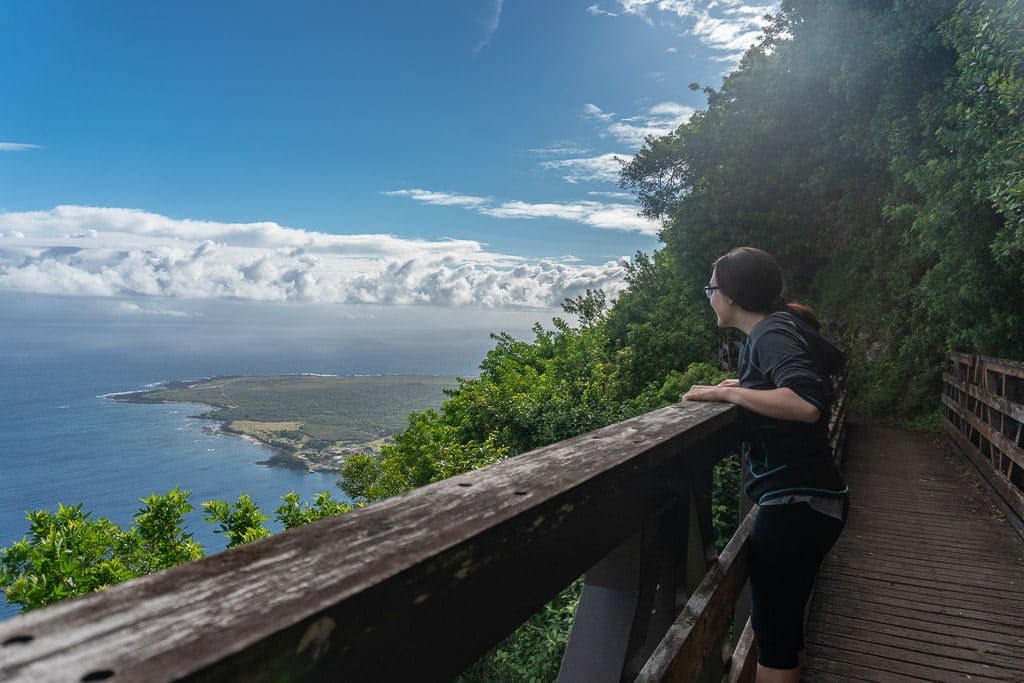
(702, 392)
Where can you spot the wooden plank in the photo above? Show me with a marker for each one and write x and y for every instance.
(681, 653)
(945, 660)
(945, 602)
(852, 606)
(816, 676)
(976, 363)
(918, 583)
(743, 664)
(1009, 493)
(888, 670)
(964, 535)
(362, 594)
(1008, 448)
(931, 545)
(853, 652)
(928, 570)
(895, 520)
(900, 555)
(1003, 405)
(846, 670)
(883, 633)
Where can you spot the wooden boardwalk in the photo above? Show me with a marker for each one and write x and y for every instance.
(927, 581)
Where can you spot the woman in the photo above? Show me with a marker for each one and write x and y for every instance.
(784, 384)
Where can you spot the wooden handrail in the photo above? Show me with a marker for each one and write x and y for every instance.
(983, 410)
(414, 587)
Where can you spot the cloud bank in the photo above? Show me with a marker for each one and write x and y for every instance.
(112, 252)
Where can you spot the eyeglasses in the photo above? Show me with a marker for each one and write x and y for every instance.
(709, 290)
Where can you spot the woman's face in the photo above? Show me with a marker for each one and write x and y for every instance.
(720, 303)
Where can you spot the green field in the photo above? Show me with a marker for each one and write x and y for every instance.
(313, 420)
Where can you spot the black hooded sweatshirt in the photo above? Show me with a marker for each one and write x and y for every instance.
(785, 457)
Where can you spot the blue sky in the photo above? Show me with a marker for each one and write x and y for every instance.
(415, 153)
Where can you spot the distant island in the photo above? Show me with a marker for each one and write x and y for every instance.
(312, 422)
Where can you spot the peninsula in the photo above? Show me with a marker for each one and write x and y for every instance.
(312, 422)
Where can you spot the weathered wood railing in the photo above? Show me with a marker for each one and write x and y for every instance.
(983, 401)
(418, 586)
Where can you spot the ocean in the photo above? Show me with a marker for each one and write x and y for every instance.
(63, 442)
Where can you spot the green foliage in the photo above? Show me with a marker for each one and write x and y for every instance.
(533, 652)
(242, 520)
(929, 422)
(160, 534)
(293, 512)
(660, 325)
(726, 492)
(675, 385)
(68, 552)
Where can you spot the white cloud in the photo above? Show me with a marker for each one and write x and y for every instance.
(440, 198)
(112, 252)
(594, 214)
(147, 308)
(559, 149)
(490, 27)
(592, 111)
(17, 147)
(613, 195)
(731, 26)
(595, 10)
(605, 167)
(659, 120)
(672, 50)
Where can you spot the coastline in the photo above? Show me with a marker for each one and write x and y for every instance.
(269, 419)
(279, 456)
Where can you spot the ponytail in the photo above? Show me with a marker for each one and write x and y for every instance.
(799, 310)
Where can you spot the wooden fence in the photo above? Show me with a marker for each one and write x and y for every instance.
(419, 586)
(983, 401)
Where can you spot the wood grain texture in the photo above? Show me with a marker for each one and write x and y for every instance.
(743, 665)
(902, 596)
(362, 595)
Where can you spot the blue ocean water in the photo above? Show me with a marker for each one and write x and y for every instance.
(61, 441)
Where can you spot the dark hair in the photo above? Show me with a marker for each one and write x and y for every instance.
(753, 279)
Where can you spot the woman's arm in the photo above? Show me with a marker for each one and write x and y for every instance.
(781, 404)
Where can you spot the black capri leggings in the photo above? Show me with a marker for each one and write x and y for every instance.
(788, 543)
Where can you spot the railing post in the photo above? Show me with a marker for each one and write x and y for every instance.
(634, 593)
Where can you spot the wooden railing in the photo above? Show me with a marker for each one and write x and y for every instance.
(418, 586)
(983, 401)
